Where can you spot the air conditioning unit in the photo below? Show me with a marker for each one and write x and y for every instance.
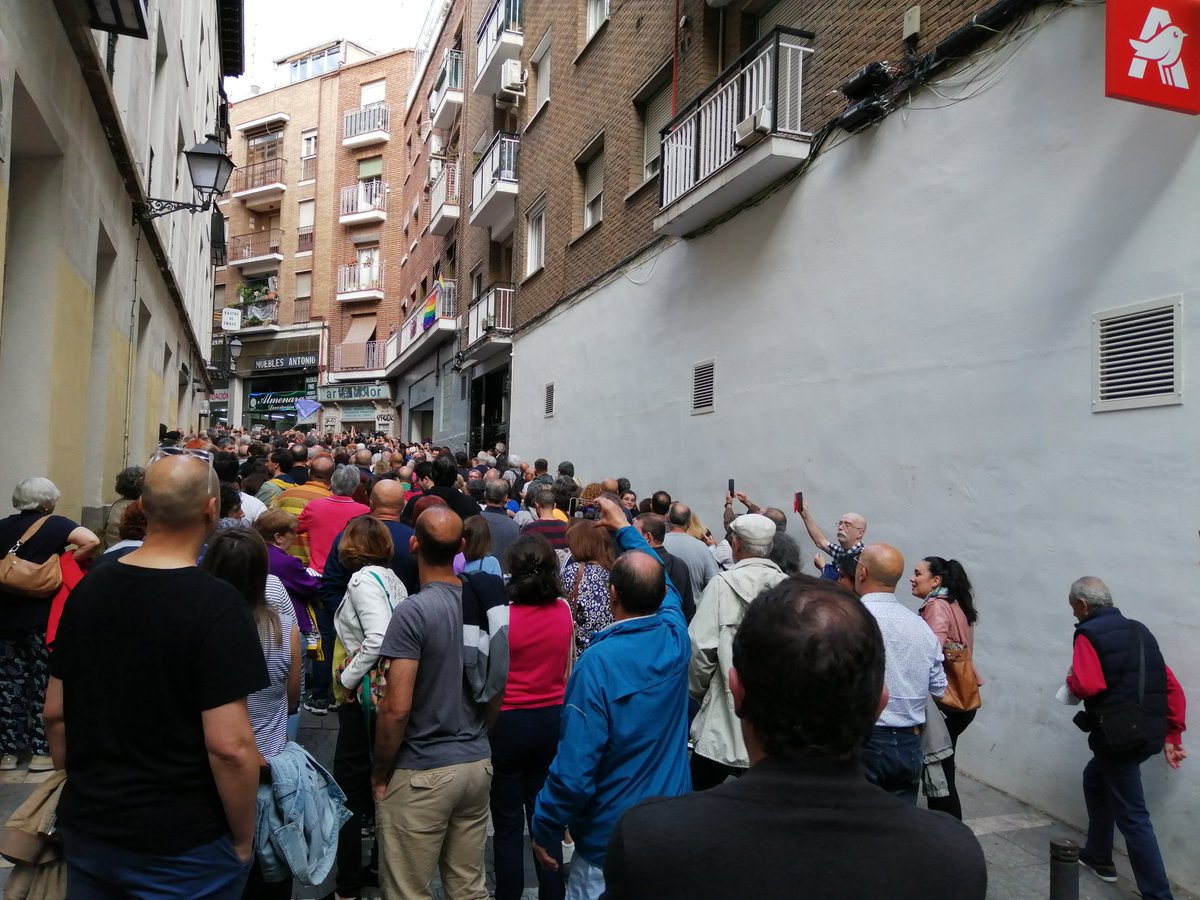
(437, 146)
(753, 128)
(512, 78)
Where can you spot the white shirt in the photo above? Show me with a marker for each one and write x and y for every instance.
(913, 669)
(252, 507)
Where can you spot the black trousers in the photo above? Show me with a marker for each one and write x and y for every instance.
(708, 773)
(523, 746)
(956, 724)
(352, 772)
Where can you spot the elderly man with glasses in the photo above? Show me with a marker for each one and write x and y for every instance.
(851, 529)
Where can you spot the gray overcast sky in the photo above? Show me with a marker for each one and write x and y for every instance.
(276, 28)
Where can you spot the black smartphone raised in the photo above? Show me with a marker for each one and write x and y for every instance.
(731, 487)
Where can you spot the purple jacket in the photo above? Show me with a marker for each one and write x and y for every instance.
(301, 584)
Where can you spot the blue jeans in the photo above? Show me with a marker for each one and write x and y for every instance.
(893, 760)
(97, 870)
(584, 880)
(1112, 790)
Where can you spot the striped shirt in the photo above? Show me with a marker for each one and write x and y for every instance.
(269, 707)
(552, 530)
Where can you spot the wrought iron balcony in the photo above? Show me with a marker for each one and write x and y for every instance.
(356, 357)
(358, 281)
(499, 39)
(490, 316)
(261, 185)
(365, 125)
(364, 201)
(256, 247)
(494, 185)
(447, 97)
(444, 199)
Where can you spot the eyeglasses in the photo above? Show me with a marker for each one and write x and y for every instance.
(164, 452)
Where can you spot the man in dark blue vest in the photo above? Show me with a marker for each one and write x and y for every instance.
(1133, 708)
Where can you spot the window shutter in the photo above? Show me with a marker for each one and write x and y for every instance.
(304, 284)
(658, 114)
(1137, 356)
(543, 79)
(549, 400)
(373, 92)
(593, 183)
(370, 168)
(703, 384)
(306, 213)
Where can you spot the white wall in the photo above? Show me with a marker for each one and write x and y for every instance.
(906, 332)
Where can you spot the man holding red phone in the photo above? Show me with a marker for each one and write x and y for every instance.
(851, 528)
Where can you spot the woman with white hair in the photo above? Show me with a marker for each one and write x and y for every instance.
(23, 654)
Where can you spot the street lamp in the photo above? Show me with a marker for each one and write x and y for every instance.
(209, 167)
(233, 349)
(119, 17)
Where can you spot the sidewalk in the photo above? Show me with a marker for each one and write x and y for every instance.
(1015, 837)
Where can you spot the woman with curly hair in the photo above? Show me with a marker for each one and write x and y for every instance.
(585, 578)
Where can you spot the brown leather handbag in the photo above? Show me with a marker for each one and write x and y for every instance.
(20, 576)
(962, 687)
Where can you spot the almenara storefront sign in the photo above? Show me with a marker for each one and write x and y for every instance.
(276, 401)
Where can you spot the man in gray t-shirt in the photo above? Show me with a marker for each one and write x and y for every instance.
(432, 771)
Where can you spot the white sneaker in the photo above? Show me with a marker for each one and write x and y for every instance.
(41, 763)
(8, 762)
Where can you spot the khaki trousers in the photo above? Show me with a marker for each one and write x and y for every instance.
(434, 817)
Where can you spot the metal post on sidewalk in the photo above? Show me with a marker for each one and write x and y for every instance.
(1064, 870)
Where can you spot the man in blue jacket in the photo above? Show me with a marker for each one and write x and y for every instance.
(623, 736)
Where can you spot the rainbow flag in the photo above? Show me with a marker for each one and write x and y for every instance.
(430, 310)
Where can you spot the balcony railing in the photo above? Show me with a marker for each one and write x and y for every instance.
(255, 244)
(354, 357)
(259, 174)
(449, 78)
(760, 92)
(365, 119)
(257, 315)
(504, 16)
(300, 310)
(492, 312)
(445, 306)
(304, 239)
(359, 277)
(445, 188)
(363, 197)
(498, 164)
(308, 168)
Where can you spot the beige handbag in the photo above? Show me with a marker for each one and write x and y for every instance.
(20, 576)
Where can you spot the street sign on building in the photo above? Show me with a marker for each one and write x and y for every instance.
(1152, 53)
(231, 318)
(354, 392)
(293, 361)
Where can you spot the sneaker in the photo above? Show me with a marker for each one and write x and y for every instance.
(8, 762)
(316, 706)
(41, 763)
(1104, 873)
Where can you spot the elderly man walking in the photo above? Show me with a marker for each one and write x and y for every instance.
(719, 749)
(1133, 708)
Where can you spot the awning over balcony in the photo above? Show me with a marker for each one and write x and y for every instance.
(361, 329)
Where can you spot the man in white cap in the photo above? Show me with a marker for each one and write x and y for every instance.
(716, 731)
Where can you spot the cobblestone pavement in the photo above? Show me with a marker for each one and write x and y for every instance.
(1015, 836)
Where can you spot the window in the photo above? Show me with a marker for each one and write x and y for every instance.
(303, 285)
(304, 226)
(593, 191)
(477, 283)
(314, 64)
(535, 237)
(1137, 356)
(656, 113)
(597, 14)
(373, 92)
(703, 381)
(308, 154)
(549, 408)
(263, 147)
(541, 72)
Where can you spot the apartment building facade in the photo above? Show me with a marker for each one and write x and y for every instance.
(104, 310)
(309, 236)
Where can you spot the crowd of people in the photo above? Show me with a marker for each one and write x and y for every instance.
(666, 711)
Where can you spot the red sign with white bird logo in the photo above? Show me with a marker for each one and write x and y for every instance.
(1152, 53)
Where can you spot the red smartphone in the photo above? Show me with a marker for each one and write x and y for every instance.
(799, 501)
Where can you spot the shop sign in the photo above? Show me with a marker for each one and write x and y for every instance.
(1152, 53)
(231, 318)
(384, 419)
(330, 421)
(354, 392)
(360, 413)
(294, 361)
(276, 401)
(220, 395)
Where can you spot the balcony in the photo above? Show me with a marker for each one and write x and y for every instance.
(308, 168)
(444, 200)
(260, 186)
(363, 202)
(360, 282)
(500, 38)
(494, 187)
(301, 309)
(365, 126)
(260, 316)
(447, 97)
(304, 239)
(432, 323)
(358, 357)
(489, 323)
(741, 134)
(256, 252)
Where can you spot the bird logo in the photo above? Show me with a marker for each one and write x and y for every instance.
(1161, 43)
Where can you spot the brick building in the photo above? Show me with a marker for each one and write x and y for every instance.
(311, 222)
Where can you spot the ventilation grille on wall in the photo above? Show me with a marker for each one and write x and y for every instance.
(1137, 356)
(549, 400)
(703, 382)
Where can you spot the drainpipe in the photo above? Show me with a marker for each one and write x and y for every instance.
(674, 67)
